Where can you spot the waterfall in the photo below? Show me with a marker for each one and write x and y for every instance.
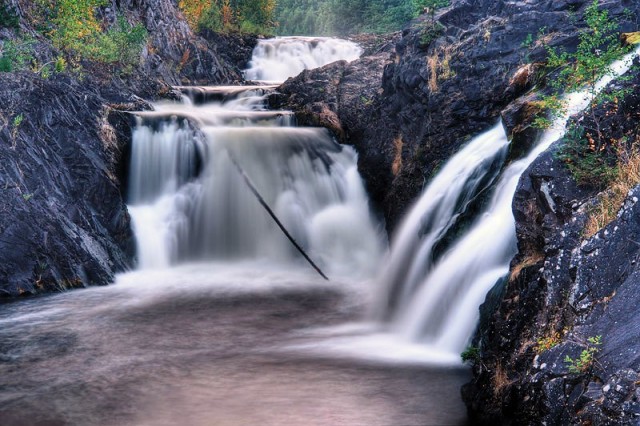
(189, 202)
(434, 302)
(275, 60)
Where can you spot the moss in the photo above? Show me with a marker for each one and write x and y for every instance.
(631, 38)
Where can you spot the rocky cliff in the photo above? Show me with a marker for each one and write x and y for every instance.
(559, 340)
(412, 102)
(64, 141)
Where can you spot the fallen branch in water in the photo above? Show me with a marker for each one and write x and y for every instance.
(264, 204)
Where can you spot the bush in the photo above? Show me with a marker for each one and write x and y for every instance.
(16, 55)
(587, 357)
(246, 16)
(471, 355)
(121, 44)
(8, 18)
(74, 25)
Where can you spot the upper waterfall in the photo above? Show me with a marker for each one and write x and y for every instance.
(189, 202)
(275, 60)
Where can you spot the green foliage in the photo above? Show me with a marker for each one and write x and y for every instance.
(587, 357)
(343, 17)
(246, 16)
(548, 342)
(73, 27)
(74, 24)
(588, 165)
(553, 106)
(598, 48)
(121, 44)
(60, 65)
(471, 354)
(430, 32)
(16, 55)
(17, 120)
(8, 18)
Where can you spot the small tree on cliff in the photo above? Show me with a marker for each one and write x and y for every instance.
(598, 48)
(587, 152)
(430, 6)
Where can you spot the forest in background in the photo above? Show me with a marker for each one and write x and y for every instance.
(78, 30)
(305, 17)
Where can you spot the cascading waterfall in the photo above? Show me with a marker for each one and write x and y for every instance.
(189, 202)
(283, 57)
(465, 175)
(436, 302)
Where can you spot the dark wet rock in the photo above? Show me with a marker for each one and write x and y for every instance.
(63, 222)
(442, 83)
(571, 286)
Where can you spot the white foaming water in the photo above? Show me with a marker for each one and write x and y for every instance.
(429, 309)
(189, 202)
(275, 60)
(465, 175)
(442, 310)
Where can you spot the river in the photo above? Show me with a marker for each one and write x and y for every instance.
(223, 322)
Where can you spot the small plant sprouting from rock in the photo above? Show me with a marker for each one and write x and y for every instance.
(17, 120)
(587, 357)
(528, 41)
(548, 342)
(471, 355)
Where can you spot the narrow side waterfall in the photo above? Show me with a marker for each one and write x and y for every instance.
(461, 180)
(275, 60)
(435, 302)
(189, 202)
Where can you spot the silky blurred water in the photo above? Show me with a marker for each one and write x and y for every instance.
(207, 344)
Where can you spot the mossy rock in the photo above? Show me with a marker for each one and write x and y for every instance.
(631, 38)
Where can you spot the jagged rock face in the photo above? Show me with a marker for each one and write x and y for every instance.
(174, 53)
(442, 84)
(63, 221)
(568, 288)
